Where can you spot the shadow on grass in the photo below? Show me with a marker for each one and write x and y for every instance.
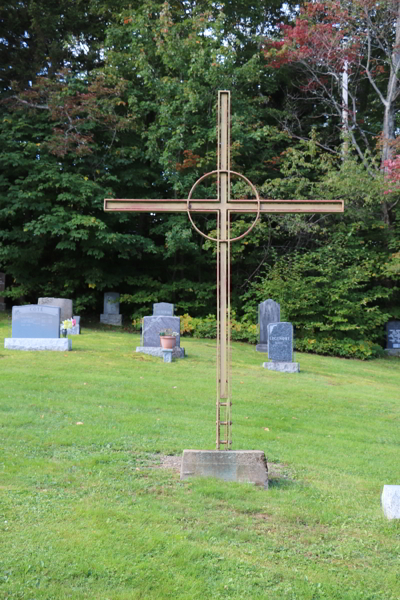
(281, 483)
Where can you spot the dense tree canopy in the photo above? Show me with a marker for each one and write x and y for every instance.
(118, 99)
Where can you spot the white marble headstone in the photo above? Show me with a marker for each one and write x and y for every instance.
(390, 501)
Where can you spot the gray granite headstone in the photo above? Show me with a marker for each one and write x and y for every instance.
(111, 314)
(163, 309)
(75, 329)
(111, 303)
(161, 319)
(36, 321)
(269, 311)
(280, 342)
(393, 335)
(64, 303)
(2, 287)
(152, 326)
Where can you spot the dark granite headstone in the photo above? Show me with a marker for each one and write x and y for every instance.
(163, 309)
(111, 314)
(36, 321)
(111, 303)
(2, 287)
(280, 342)
(393, 335)
(269, 311)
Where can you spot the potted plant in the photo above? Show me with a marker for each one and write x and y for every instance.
(168, 338)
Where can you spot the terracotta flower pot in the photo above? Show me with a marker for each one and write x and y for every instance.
(168, 341)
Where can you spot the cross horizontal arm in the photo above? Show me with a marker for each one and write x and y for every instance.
(234, 206)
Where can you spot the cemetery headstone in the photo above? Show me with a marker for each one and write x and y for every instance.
(393, 337)
(390, 501)
(111, 314)
(280, 348)
(269, 311)
(165, 309)
(36, 327)
(65, 305)
(2, 287)
(75, 329)
(161, 319)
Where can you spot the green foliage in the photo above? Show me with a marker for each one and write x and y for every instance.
(127, 95)
(207, 328)
(343, 347)
(333, 295)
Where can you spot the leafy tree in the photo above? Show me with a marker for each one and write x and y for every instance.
(349, 59)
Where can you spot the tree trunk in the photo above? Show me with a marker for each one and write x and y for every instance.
(389, 127)
(391, 95)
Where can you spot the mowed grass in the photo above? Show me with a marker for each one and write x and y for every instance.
(86, 512)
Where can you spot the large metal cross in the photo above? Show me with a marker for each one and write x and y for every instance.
(223, 206)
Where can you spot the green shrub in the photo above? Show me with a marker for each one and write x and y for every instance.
(345, 348)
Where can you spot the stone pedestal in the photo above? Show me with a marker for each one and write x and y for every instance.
(392, 352)
(262, 347)
(53, 344)
(154, 351)
(282, 366)
(167, 354)
(111, 320)
(390, 501)
(246, 466)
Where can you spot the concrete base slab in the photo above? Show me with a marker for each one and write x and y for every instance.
(392, 351)
(390, 501)
(177, 352)
(54, 344)
(262, 347)
(246, 466)
(110, 319)
(283, 367)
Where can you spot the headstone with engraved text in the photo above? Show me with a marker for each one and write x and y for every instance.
(36, 321)
(393, 337)
(161, 319)
(269, 311)
(280, 348)
(36, 327)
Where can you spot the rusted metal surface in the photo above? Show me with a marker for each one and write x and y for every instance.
(234, 206)
(223, 206)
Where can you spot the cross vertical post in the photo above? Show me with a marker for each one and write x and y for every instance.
(222, 207)
(223, 275)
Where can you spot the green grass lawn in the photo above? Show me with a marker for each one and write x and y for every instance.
(86, 512)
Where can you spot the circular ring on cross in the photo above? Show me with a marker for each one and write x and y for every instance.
(218, 171)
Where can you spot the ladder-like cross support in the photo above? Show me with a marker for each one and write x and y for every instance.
(223, 206)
